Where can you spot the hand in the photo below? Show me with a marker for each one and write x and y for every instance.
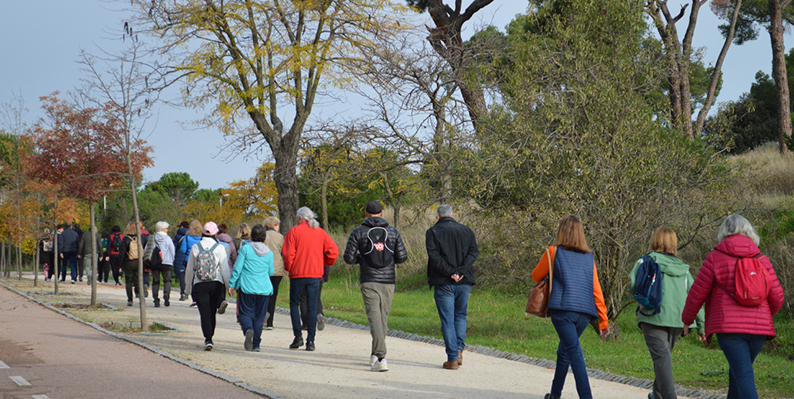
(686, 330)
(702, 337)
(456, 277)
(231, 291)
(79, 257)
(604, 333)
(61, 256)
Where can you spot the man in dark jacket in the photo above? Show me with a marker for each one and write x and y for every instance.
(68, 241)
(376, 247)
(451, 252)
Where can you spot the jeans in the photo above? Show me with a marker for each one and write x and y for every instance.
(181, 277)
(740, 350)
(452, 302)
(251, 309)
(296, 288)
(275, 281)
(304, 309)
(72, 258)
(660, 342)
(570, 326)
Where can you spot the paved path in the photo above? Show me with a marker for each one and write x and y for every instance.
(339, 368)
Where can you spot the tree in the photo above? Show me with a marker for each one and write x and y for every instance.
(178, 187)
(263, 60)
(257, 196)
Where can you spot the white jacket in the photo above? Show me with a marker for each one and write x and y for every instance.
(220, 254)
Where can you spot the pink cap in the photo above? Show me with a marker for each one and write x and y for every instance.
(210, 228)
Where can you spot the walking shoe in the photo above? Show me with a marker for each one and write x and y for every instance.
(269, 328)
(222, 308)
(193, 305)
(310, 346)
(320, 322)
(255, 349)
(207, 345)
(650, 396)
(157, 304)
(183, 297)
(73, 281)
(145, 291)
(453, 365)
(249, 340)
(372, 360)
(548, 396)
(81, 279)
(166, 303)
(296, 343)
(380, 365)
(129, 303)
(460, 357)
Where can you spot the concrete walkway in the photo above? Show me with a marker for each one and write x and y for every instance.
(339, 368)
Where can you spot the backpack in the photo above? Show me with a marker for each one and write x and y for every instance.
(156, 260)
(751, 287)
(378, 247)
(648, 287)
(132, 254)
(115, 243)
(47, 246)
(206, 265)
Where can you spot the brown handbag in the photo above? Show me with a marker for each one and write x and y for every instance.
(538, 300)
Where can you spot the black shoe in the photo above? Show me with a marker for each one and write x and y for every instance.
(157, 304)
(129, 303)
(310, 346)
(548, 396)
(296, 343)
(166, 303)
(222, 308)
(208, 345)
(249, 340)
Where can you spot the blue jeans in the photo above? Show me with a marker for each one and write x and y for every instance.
(296, 287)
(740, 350)
(251, 310)
(452, 302)
(570, 326)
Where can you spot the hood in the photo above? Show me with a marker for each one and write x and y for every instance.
(181, 231)
(375, 222)
(160, 239)
(738, 246)
(224, 237)
(260, 248)
(670, 265)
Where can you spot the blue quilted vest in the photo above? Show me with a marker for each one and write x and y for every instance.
(572, 284)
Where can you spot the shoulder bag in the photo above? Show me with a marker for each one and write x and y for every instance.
(538, 300)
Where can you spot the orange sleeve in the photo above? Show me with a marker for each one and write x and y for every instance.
(601, 306)
(542, 269)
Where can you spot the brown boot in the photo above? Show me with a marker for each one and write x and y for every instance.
(451, 365)
(460, 357)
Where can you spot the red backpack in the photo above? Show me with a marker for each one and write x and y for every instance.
(752, 287)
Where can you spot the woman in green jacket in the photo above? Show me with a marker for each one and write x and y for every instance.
(661, 330)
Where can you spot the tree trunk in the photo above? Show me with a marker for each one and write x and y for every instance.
(19, 259)
(779, 72)
(396, 207)
(94, 257)
(55, 261)
(36, 256)
(324, 201)
(286, 180)
(141, 297)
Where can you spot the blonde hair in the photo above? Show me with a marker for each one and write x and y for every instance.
(271, 222)
(130, 229)
(570, 235)
(196, 229)
(243, 230)
(663, 240)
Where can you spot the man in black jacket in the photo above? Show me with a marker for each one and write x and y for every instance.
(376, 247)
(68, 241)
(451, 252)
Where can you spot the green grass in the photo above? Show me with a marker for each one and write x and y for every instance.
(497, 320)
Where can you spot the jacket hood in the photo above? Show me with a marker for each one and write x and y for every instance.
(670, 265)
(738, 246)
(224, 237)
(260, 248)
(375, 222)
(160, 238)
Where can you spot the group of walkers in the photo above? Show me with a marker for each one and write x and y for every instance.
(741, 322)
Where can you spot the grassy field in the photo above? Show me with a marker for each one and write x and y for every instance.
(497, 320)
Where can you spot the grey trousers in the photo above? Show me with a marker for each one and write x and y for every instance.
(660, 342)
(377, 302)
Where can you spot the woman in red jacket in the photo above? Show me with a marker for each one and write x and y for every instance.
(741, 330)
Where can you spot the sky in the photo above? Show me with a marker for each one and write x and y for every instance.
(42, 41)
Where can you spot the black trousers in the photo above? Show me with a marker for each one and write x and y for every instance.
(271, 305)
(208, 296)
(166, 273)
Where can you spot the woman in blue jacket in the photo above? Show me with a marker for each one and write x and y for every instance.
(184, 245)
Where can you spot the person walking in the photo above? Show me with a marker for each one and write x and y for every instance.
(103, 272)
(116, 244)
(274, 241)
(85, 254)
(576, 299)
(251, 278)
(243, 235)
(68, 241)
(46, 257)
(166, 246)
(131, 251)
(180, 258)
(741, 330)
(207, 276)
(662, 330)
(451, 252)
(377, 248)
(307, 248)
(192, 237)
(223, 236)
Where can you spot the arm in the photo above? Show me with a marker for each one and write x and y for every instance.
(434, 258)
(351, 249)
(183, 246)
(700, 318)
(776, 296)
(699, 292)
(223, 258)
(400, 253)
(633, 275)
(288, 252)
(269, 260)
(236, 270)
(330, 251)
(191, 263)
(601, 306)
(544, 265)
(471, 255)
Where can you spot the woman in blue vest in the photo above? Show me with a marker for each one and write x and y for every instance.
(575, 300)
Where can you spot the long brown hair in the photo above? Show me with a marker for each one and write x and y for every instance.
(570, 235)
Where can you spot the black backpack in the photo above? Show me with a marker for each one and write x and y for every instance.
(377, 247)
(156, 261)
(116, 242)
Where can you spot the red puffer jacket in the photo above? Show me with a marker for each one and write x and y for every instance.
(723, 313)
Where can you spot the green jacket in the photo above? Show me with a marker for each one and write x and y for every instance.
(676, 282)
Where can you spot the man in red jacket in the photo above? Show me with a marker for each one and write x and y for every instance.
(307, 250)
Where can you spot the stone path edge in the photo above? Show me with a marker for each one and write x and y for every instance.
(151, 348)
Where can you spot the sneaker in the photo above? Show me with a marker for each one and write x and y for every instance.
(453, 365)
(208, 345)
(81, 279)
(269, 328)
(548, 396)
(157, 304)
(372, 360)
(145, 291)
(249, 340)
(183, 297)
(310, 346)
(320, 322)
(296, 343)
(380, 365)
(73, 281)
(166, 303)
(129, 303)
(193, 305)
(255, 349)
(222, 308)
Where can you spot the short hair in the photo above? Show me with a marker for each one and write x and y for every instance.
(271, 222)
(105, 234)
(161, 225)
(663, 240)
(130, 229)
(309, 216)
(243, 231)
(114, 229)
(444, 211)
(185, 224)
(258, 233)
(737, 224)
(570, 235)
(223, 228)
(196, 229)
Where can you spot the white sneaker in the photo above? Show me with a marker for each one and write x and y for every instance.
(372, 360)
(380, 365)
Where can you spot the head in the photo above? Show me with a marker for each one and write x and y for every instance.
(306, 214)
(130, 229)
(737, 224)
(444, 211)
(570, 235)
(374, 208)
(663, 240)
(68, 225)
(210, 229)
(115, 229)
(162, 226)
(105, 234)
(59, 228)
(272, 222)
(258, 233)
(195, 228)
(223, 228)
(243, 230)
(184, 225)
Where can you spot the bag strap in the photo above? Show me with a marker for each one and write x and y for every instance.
(550, 256)
(758, 256)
